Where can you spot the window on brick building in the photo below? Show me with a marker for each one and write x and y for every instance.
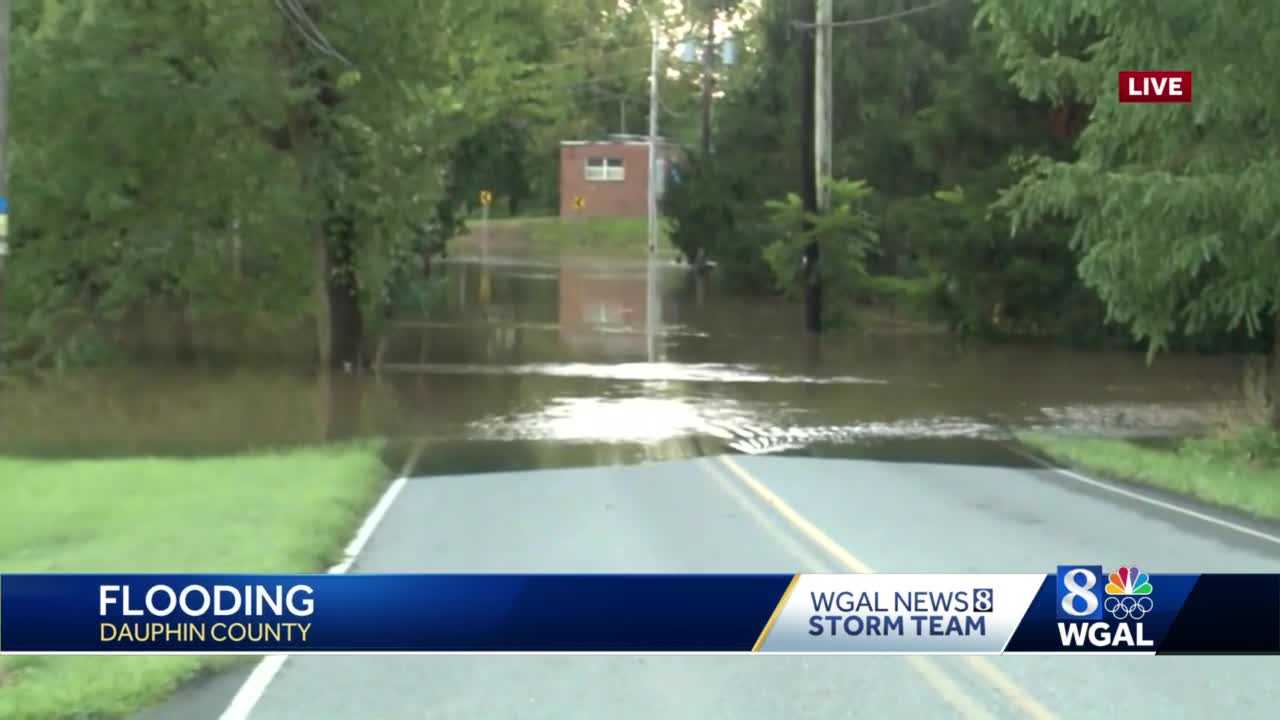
(601, 169)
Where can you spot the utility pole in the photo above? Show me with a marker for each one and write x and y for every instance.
(652, 304)
(822, 100)
(809, 189)
(5, 11)
(653, 141)
(708, 56)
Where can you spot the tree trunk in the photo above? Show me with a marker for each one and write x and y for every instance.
(1261, 383)
(237, 262)
(346, 323)
(324, 313)
(1273, 375)
(184, 335)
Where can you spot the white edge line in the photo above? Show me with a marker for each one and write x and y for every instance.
(255, 686)
(367, 528)
(1242, 529)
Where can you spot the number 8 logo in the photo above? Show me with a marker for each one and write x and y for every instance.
(1083, 591)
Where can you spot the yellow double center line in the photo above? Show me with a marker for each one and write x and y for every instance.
(941, 682)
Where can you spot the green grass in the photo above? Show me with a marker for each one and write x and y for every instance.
(285, 512)
(621, 237)
(1227, 472)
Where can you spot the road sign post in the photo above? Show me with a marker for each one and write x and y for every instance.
(579, 204)
(4, 254)
(486, 199)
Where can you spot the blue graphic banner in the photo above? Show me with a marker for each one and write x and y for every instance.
(385, 613)
(1079, 608)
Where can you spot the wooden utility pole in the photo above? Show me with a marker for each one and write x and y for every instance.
(5, 12)
(708, 57)
(822, 100)
(809, 189)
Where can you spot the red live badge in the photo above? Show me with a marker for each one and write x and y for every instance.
(1155, 86)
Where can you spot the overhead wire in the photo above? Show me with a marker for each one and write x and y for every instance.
(871, 20)
(587, 59)
(302, 22)
(306, 27)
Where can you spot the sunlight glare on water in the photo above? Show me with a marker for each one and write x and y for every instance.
(702, 373)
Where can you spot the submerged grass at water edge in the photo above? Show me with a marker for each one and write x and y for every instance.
(1224, 472)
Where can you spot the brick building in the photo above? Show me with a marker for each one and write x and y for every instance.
(611, 176)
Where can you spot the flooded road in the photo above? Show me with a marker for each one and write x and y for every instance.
(606, 379)
(529, 362)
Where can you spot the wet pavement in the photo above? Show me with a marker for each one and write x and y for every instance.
(712, 515)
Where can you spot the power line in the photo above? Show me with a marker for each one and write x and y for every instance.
(302, 22)
(610, 95)
(669, 111)
(871, 20)
(587, 83)
(585, 58)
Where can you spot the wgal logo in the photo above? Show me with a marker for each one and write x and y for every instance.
(1078, 592)
(1127, 593)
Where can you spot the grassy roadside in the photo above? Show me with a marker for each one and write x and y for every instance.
(614, 237)
(284, 512)
(1238, 472)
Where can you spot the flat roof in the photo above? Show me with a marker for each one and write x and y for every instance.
(615, 141)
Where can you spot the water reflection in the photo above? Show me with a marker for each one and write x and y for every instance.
(651, 371)
(631, 360)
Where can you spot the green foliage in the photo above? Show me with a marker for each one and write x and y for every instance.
(191, 153)
(718, 204)
(846, 235)
(925, 114)
(709, 218)
(1225, 476)
(1256, 446)
(1173, 206)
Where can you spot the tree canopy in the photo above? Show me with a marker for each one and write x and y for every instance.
(298, 159)
(1172, 207)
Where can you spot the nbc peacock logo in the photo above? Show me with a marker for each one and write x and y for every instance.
(1129, 594)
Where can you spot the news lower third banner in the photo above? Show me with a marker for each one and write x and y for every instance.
(1079, 608)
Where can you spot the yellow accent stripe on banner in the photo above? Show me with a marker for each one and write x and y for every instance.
(777, 611)
(989, 672)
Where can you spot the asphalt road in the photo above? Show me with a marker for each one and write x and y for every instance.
(772, 514)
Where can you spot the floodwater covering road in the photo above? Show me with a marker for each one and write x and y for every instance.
(526, 362)
(567, 422)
